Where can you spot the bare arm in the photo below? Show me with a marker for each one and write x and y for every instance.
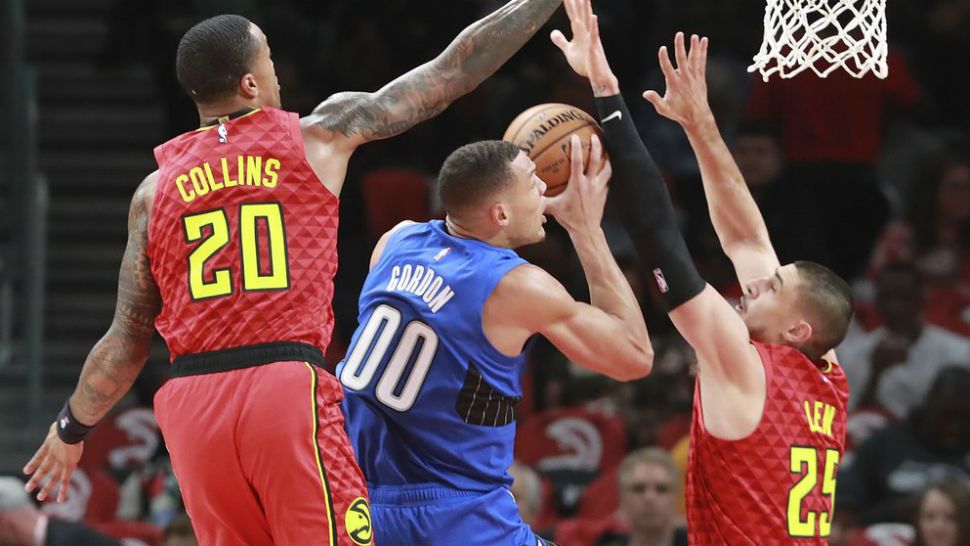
(734, 214)
(118, 358)
(115, 361)
(607, 336)
(424, 92)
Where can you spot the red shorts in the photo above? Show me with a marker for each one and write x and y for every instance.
(262, 457)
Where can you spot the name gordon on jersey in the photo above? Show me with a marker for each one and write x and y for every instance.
(252, 171)
(422, 282)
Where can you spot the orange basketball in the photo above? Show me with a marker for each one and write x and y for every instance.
(543, 133)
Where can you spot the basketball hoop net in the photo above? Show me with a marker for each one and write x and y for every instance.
(823, 35)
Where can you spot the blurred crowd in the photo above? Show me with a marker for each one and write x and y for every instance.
(869, 177)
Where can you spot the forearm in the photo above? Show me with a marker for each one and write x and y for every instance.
(109, 372)
(734, 213)
(645, 206)
(427, 90)
(609, 289)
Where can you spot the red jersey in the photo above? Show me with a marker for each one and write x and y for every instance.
(243, 237)
(776, 486)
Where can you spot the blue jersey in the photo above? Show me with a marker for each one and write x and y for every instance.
(429, 400)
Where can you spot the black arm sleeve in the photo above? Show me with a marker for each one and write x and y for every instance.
(645, 207)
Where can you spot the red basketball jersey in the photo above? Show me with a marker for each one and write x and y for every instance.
(243, 237)
(776, 486)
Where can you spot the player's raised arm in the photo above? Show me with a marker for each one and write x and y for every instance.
(701, 315)
(113, 363)
(736, 218)
(608, 335)
(354, 117)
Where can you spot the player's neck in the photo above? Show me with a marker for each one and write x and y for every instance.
(652, 537)
(464, 229)
(215, 110)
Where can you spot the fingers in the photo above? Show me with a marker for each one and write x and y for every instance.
(680, 51)
(665, 65)
(594, 30)
(64, 480)
(607, 171)
(703, 60)
(49, 485)
(559, 40)
(575, 157)
(588, 13)
(35, 461)
(39, 476)
(693, 54)
(595, 155)
(653, 98)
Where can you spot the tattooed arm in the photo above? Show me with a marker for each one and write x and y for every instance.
(347, 120)
(116, 360)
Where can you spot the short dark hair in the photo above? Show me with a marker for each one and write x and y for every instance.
(474, 172)
(213, 55)
(828, 301)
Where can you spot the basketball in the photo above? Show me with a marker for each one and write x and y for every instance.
(543, 133)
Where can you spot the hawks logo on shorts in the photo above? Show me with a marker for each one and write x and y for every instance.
(357, 522)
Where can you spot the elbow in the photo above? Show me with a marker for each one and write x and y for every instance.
(637, 364)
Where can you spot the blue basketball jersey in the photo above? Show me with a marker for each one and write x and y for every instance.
(429, 400)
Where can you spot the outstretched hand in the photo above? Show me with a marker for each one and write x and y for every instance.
(685, 100)
(51, 467)
(580, 206)
(584, 52)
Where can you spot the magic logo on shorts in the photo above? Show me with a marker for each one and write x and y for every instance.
(357, 522)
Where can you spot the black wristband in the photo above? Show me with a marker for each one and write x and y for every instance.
(69, 428)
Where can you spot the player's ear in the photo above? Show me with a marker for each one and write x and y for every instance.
(248, 87)
(499, 214)
(798, 334)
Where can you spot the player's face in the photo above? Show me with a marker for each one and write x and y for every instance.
(769, 305)
(525, 203)
(265, 73)
(647, 498)
(938, 520)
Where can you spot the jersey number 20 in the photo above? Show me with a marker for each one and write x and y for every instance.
(217, 223)
(804, 461)
(358, 372)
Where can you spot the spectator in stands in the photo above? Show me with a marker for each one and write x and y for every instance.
(649, 482)
(936, 230)
(831, 132)
(757, 150)
(527, 490)
(893, 366)
(944, 515)
(891, 469)
(22, 524)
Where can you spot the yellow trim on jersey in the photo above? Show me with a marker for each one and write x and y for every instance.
(828, 366)
(223, 119)
(327, 497)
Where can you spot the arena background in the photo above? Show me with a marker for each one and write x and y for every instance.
(870, 177)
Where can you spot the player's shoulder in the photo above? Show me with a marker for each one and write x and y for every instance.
(530, 289)
(145, 192)
(381, 245)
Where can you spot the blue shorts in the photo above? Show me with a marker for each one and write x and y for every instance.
(438, 516)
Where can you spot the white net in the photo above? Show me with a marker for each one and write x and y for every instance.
(823, 35)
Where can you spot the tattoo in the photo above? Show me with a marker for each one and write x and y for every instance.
(427, 90)
(118, 358)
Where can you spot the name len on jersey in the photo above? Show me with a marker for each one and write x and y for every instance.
(820, 417)
(251, 170)
(422, 282)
